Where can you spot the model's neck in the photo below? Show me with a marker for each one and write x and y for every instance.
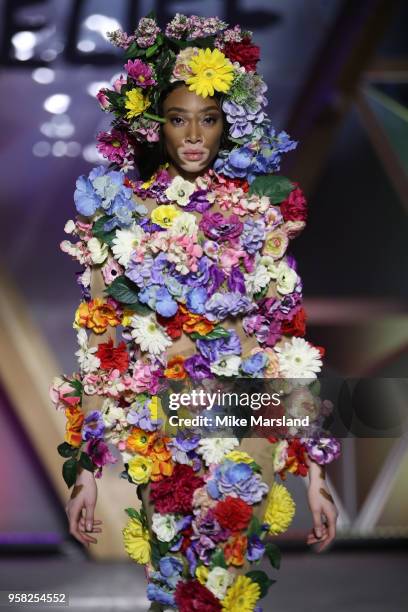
(188, 176)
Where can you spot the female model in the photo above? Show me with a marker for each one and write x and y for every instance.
(191, 260)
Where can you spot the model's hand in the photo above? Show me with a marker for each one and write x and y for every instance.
(80, 509)
(324, 513)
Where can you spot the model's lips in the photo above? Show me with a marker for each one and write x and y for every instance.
(193, 155)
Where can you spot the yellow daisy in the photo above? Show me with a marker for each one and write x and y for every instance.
(211, 71)
(136, 103)
(242, 595)
(140, 469)
(164, 215)
(280, 509)
(136, 541)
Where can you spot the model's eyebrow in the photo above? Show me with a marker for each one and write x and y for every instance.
(180, 109)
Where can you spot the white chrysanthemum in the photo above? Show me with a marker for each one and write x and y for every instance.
(213, 450)
(286, 278)
(270, 264)
(85, 277)
(88, 362)
(98, 251)
(125, 242)
(227, 366)
(180, 191)
(164, 526)
(185, 224)
(151, 336)
(257, 280)
(298, 359)
(218, 581)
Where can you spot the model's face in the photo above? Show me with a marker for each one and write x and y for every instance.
(192, 132)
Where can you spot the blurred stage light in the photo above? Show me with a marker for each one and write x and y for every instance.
(60, 126)
(95, 86)
(48, 55)
(57, 103)
(24, 43)
(91, 154)
(86, 45)
(73, 148)
(43, 75)
(59, 148)
(41, 148)
(101, 24)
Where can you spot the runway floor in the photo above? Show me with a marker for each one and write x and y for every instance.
(344, 581)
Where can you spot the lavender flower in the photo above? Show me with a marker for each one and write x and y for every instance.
(221, 305)
(146, 32)
(253, 235)
(322, 450)
(213, 350)
(93, 426)
(238, 480)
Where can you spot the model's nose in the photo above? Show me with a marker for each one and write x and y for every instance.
(194, 134)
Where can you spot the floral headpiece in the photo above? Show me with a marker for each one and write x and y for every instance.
(210, 58)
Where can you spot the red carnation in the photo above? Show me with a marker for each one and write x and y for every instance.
(175, 493)
(245, 52)
(233, 513)
(297, 325)
(173, 325)
(113, 358)
(294, 208)
(192, 595)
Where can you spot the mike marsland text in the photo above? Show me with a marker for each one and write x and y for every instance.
(233, 421)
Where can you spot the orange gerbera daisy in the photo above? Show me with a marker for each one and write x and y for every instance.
(195, 322)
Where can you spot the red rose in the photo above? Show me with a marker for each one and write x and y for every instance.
(192, 595)
(297, 325)
(233, 513)
(245, 52)
(175, 493)
(294, 208)
(113, 358)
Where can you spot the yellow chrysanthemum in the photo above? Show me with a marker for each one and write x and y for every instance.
(202, 573)
(164, 215)
(239, 457)
(242, 595)
(211, 71)
(280, 509)
(140, 469)
(136, 541)
(136, 103)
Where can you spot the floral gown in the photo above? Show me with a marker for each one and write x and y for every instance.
(198, 279)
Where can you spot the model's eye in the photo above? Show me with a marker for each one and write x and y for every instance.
(176, 120)
(210, 120)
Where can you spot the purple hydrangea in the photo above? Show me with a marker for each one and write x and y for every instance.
(253, 235)
(213, 350)
(322, 450)
(93, 426)
(238, 480)
(222, 305)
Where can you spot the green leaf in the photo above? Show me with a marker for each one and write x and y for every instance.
(66, 450)
(123, 290)
(217, 332)
(154, 117)
(262, 579)
(69, 471)
(255, 467)
(218, 559)
(100, 233)
(254, 527)
(164, 547)
(86, 462)
(261, 294)
(138, 308)
(274, 554)
(277, 188)
(132, 513)
(315, 387)
(155, 554)
(151, 50)
(134, 51)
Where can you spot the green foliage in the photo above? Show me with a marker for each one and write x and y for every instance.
(254, 527)
(277, 188)
(69, 471)
(100, 233)
(86, 462)
(123, 290)
(218, 559)
(217, 332)
(66, 450)
(274, 554)
(262, 579)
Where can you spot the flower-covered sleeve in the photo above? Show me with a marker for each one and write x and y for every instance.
(279, 325)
